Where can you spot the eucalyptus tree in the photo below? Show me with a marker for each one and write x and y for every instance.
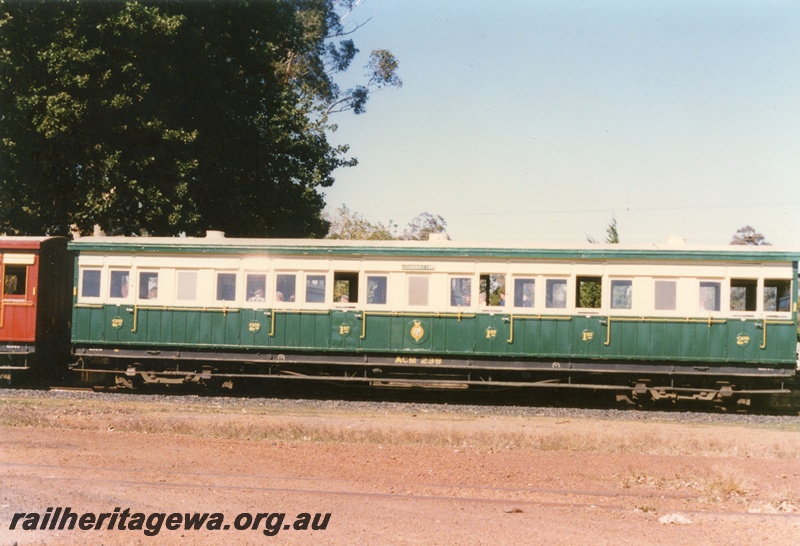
(174, 116)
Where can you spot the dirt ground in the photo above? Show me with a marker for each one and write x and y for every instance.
(399, 477)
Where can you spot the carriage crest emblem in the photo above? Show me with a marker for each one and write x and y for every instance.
(417, 331)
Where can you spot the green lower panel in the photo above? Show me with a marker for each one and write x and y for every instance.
(487, 335)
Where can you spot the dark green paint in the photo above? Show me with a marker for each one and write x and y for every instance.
(484, 335)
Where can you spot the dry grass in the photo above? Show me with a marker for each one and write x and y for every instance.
(262, 424)
(715, 484)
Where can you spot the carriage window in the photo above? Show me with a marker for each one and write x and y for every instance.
(417, 290)
(376, 290)
(777, 295)
(285, 287)
(461, 291)
(621, 294)
(345, 287)
(709, 296)
(187, 285)
(492, 290)
(588, 292)
(743, 294)
(226, 286)
(120, 284)
(256, 287)
(90, 284)
(666, 298)
(15, 279)
(315, 288)
(148, 286)
(523, 292)
(556, 293)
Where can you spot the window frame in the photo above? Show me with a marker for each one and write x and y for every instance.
(486, 293)
(367, 278)
(139, 276)
(279, 277)
(702, 300)
(111, 285)
(516, 293)
(457, 301)
(777, 312)
(219, 285)
(307, 276)
(630, 296)
(556, 281)
(82, 297)
(26, 276)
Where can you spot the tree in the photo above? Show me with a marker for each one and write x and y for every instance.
(747, 235)
(612, 235)
(175, 116)
(422, 226)
(352, 225)
(346, 224)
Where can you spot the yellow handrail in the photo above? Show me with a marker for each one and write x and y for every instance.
(531, 317)
(135, 318)
(272, 314)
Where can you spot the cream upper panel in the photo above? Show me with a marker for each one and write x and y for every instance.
(626, 288)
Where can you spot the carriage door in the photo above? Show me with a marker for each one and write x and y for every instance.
(18, 297)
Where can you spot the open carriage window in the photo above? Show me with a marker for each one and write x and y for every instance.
(777, 295)
(743, 294)
(492, 290)
(589, 292)
(345, 287)
(15, 279)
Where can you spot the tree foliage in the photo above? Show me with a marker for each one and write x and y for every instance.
(346, 224)
(423, 226)
(747, 235)
(173, 116)
(612, 235)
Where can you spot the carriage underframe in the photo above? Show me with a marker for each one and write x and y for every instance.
(627, 381)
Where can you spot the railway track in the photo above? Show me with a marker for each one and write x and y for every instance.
(519, 404)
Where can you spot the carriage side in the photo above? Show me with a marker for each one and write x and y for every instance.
(594, 316)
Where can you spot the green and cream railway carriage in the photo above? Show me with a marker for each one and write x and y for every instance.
(662, 321)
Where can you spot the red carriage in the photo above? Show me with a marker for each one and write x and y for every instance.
(35, 301)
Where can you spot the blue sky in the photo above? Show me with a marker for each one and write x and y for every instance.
(536, 121)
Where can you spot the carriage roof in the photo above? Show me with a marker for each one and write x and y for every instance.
(434, 249)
